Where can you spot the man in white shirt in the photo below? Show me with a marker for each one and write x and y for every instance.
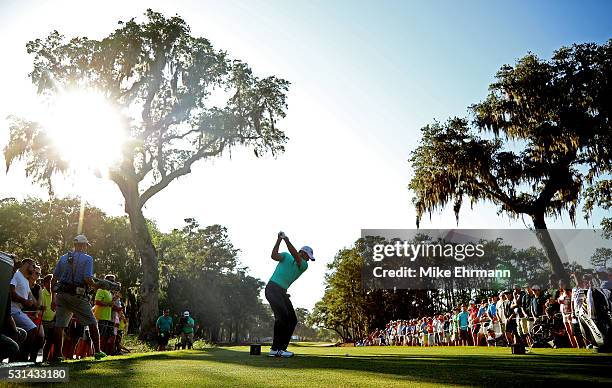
(21, 297)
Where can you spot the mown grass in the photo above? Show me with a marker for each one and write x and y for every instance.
(324, 366)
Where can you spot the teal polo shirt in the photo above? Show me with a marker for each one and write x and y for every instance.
(287, 270)
(164, 324)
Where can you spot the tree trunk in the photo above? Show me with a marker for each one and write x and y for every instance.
(549, 247)
(149, 287)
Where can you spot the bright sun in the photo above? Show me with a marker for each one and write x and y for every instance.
(86, 129)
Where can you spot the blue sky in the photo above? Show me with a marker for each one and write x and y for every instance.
(366, 76)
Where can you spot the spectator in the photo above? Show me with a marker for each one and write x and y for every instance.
(73, 275)
(117, 307)
(463, 320)
(120, 332)
(187, 325)
(474, 322)
(21, 297)
(537, 302)
(163, 326)
(73, 332)
(607, 283)
(103, 312)
(601, 274)
(35, 314)
(495, 339)
(48, 316)
(500, 311)
(11, 337)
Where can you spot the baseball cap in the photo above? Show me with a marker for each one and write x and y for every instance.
(535, 287)
(600, 270)
(81, 239)
(186, 314)
(308, 251)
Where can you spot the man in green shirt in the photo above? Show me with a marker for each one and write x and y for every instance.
(187, 325)
(290, 266)
(103, 313)
(164, 328)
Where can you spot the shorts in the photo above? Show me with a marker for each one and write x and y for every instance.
(48, 326)
(187, 338)
(523, 326)
(67, 305)
(106, 328)
(511, 326)
(476, 328)
(22, 320)
(163, 338)
(75, 330)
(463, 335)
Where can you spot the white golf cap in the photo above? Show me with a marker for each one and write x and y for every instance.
(535, 287)
(81, 239)
(308, 251)
(186, 314)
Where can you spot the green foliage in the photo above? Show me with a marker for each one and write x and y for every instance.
(161, 78)
(601, 257)
(201, 274)
(44, 230)
(200, 269)
(166, 84)
(541, 136)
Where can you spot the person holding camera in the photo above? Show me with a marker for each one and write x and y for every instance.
(72, 276)
(291, 265)
(187, 325)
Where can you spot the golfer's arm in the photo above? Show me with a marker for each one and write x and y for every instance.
(275, 255)
(293, 252)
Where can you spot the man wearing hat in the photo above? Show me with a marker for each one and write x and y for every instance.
(72, 276)
(291, 265)
(187, 325)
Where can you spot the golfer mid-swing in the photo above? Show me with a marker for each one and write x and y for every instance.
(290, 266)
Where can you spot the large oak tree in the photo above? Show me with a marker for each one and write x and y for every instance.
(162, 79)
(536, 146)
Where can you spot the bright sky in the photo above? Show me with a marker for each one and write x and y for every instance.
(366, 76)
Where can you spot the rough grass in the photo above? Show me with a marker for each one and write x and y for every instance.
(324, 366)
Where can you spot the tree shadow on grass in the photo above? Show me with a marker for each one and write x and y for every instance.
(444, 369)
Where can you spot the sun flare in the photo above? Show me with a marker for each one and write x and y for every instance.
(86, 129)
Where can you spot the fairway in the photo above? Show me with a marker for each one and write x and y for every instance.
(319, 366)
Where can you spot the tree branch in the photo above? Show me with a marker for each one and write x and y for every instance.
(184, 170)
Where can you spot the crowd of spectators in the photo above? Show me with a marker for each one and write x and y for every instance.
(30, 319)
(561, 316)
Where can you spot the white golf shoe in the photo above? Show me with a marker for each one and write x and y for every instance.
(285, 353)
(274, 353)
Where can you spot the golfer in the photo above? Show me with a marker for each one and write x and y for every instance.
(290, 266)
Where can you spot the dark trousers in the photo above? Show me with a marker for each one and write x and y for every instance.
(284, 315)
